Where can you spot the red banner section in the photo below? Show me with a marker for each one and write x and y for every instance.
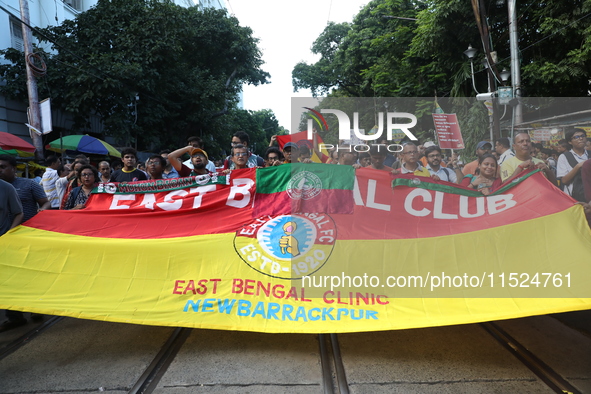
(418, 208)
(431, 209)
(145, 212)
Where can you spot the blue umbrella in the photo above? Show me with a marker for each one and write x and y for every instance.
(83, 144)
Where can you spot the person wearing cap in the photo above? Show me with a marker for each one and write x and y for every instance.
(291, 152)
(199, 160)
(483, 148)
(197, 142)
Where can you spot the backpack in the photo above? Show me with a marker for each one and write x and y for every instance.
(577, 192)
(446, 170)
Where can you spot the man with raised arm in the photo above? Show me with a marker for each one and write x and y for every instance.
(199, 160)
(197, 142)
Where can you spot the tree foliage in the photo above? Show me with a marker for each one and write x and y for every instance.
(186, 66)
(380, 54)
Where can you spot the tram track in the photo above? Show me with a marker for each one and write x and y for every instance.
(554, 380)
(148, 381)
(27, 337)
(547, 374)
(333, 373)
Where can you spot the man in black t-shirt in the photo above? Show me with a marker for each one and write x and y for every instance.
(128, 173)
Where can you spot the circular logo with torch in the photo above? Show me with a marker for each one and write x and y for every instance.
(287, 246)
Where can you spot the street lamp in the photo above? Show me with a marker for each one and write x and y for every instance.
(505, 75)
(489, 97)
(470, 53)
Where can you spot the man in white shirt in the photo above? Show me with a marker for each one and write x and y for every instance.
(503, 149)
(569, 164)
(48, 181)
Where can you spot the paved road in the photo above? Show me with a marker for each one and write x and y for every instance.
(81, 356)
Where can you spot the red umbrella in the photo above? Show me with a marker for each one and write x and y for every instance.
(13, 145)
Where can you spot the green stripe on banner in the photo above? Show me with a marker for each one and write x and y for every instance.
(426, 183)
(279, 179)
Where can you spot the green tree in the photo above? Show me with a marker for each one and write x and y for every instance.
(382, 55)
(326, 73)
(187, 66)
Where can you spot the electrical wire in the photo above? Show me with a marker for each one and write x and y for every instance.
(32, 60)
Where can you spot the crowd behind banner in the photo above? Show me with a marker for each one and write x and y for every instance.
(68, 185)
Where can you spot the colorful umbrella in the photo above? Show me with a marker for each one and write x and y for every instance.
(12, 145)
(83, 144)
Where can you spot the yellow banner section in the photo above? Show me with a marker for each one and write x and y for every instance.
(205, 282)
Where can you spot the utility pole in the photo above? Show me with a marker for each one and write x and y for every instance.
(491, 68)
(515, 73)
(34, 111)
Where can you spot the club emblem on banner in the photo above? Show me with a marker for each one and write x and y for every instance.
(287, 246)
(304, 185)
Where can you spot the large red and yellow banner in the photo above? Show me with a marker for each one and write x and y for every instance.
(306, 248)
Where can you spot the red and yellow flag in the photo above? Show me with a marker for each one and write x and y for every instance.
(359, 251)
(318, 154)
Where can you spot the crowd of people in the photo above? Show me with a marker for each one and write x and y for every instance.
(69, 186)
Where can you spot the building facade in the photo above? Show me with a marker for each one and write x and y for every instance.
(42, 13)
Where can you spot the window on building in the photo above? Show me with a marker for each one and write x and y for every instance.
(16, 34)
(75, 4)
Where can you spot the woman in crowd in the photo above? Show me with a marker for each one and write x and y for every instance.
(88, 178)
(486, 181)
(72, 180)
